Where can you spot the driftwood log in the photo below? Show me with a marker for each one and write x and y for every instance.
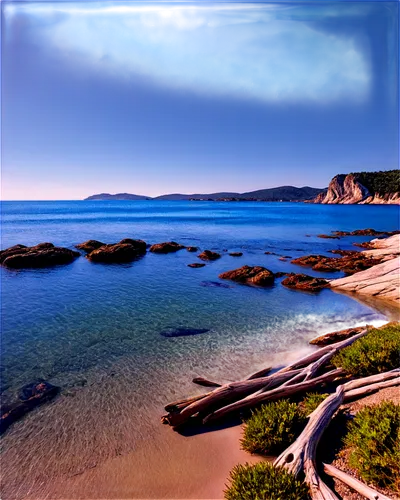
(258, 387)
(354, 483)
(300, 456)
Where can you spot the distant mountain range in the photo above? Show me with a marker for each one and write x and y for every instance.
(282, 193)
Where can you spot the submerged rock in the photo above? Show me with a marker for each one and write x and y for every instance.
(236, 254)
(89, 245)
(166, 247)
(183, 332)
(125, 251)
(305, 282)
(215, 284)
(252, 275)
(41, 255)
(30, 396)
(209, 255)
(196, 265)
(192, 249)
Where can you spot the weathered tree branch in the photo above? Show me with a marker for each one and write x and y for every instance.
(228, 392)
(300, 455)
(354, 483)
(260, 373)
(205, 382)
(274, 394)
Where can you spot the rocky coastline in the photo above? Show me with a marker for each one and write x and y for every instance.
(374, 271)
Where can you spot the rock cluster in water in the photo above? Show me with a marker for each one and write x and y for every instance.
(350, 263)
(251, 275)
(305, 282)
(41, 255)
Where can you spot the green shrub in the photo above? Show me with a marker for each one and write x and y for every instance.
(377, 352)
(263, 481)
(374, 441)
(311, 401)
(382, 182)
(272, 427)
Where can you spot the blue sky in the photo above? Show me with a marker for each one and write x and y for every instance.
(158, 97)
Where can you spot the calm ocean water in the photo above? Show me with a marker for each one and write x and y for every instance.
(95, 329)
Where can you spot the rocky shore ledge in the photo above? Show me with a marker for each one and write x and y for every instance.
(381, 280)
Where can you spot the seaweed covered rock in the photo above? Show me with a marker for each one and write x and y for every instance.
(305, 282)
(253, 275)
(166, 247)
(89, 245)
(196, 265)
(30, 396)
(41, 255)
(209, 255)
(192, 249)
(125, 251)
(236, 254)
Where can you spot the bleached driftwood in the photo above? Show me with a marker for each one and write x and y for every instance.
(227, 393)
(305, 369)
(300, 455)
(283, 391)
(354, 483)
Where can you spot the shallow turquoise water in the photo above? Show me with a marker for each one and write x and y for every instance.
(94, 329)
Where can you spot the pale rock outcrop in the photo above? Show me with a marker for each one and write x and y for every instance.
(387, 199)
(382, 280)
(346, 189)
(384, 246)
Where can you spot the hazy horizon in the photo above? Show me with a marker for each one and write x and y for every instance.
(191, 97)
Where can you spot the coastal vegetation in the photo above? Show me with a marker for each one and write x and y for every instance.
(374, 442)
(382, 182)
(377, 352)
(264, 481)
(272, 427)
(311, 402)
(275, 425)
